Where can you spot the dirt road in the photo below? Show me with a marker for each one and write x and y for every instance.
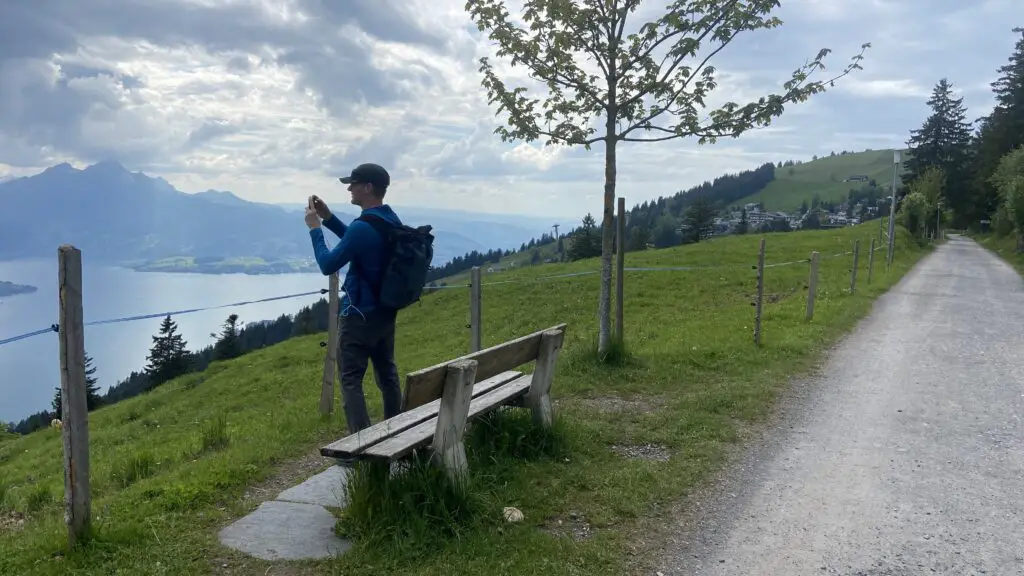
(906, 455)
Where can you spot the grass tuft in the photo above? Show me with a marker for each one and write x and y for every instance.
(214, 433)
(418, 505)
(134, 467)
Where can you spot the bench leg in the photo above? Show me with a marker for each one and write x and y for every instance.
(538, 399)
(448, 446)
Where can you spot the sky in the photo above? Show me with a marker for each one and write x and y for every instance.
(274, 99)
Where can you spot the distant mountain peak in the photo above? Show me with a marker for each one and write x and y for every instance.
(62, 168)
(107, 166)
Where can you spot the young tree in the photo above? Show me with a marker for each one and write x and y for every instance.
(931, 184)
(642, 80)
(913, 213)
(227, 344)
(93, 398)
(168, 358)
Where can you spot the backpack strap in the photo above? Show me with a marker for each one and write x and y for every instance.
(383, 228)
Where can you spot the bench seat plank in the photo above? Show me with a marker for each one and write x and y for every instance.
(351, 445)
(403, 444)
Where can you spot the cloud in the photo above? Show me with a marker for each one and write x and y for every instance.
(273, 99)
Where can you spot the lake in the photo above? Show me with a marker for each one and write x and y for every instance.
(30, 368)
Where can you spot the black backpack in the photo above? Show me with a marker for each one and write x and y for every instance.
(408, 254)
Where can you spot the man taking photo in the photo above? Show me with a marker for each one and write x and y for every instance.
(367, 323)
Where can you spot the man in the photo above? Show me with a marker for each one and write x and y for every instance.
(367, 330)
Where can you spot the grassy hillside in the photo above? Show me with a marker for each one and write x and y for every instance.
(824, 176)
(1003, 246)
(171, 467)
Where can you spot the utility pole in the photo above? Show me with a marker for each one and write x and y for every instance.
(892, 207)
(558, 245)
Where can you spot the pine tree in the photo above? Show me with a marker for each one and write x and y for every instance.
(586, 240)
(697, 221)
(744, 224)
(1000, 132)
(227, 345)
(167, 358)
(943, 142)
(93, 398)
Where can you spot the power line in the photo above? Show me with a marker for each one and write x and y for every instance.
(56, 328)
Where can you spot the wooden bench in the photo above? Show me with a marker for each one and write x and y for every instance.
(439, 400)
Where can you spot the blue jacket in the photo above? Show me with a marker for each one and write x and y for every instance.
(361, 247)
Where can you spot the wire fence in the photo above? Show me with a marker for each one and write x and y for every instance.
(54, 328)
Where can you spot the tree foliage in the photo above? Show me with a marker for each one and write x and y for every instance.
(698, 221)
(1008, 180)
(585, 240)
(1000, 132)
(943, 142)
(227, 345)
(931, 185)
(93, 397)
(168, 357)
(913, 212)
(653, 79)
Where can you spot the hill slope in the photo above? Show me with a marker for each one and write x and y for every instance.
(173, 466)
(798, 183)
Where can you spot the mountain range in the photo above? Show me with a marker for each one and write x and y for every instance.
(117, 216)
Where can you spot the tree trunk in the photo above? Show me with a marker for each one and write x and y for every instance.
(604, 310)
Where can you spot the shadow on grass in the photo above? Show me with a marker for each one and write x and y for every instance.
(409, 509)
(590, 358)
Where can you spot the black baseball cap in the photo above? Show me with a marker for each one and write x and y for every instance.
(368, 173)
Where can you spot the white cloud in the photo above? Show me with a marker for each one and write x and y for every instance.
(273, 99)
(895, 88)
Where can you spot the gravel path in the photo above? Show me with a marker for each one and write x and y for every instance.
(906, 455)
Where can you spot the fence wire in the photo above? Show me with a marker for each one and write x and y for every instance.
(56, 327)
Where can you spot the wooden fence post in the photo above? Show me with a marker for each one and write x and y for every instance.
(74, 409)
(760, 295)
(853, 273)
(475, 331)
(331, 358)
(812, 285)
(620, 264)
(871, 261)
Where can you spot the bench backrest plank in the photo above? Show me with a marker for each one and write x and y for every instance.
(426, 385)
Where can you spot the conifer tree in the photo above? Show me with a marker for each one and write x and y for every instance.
(943, 142)
(93, 398)
(227, 345)
(168, 357)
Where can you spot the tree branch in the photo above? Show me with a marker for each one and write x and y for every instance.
(630, 64)
(645, 122)
(641, 92)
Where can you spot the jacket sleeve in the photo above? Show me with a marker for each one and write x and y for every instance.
(334, 224)
(356, 239)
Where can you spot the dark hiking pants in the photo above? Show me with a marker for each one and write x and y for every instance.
(360, 341)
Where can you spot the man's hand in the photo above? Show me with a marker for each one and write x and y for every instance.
(320, 206)
(312, 219)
